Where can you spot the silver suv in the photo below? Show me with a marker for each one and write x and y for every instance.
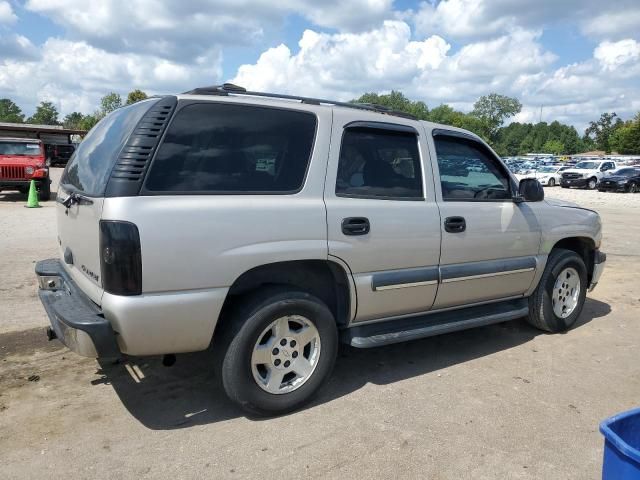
(274, 227)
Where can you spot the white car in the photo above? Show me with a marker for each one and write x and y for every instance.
(549, 175)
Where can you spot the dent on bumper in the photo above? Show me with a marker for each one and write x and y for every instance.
(77, 322)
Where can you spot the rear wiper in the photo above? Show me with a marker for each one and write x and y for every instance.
(75, 198)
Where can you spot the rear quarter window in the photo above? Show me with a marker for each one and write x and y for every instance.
(230, 148)
(90, 165)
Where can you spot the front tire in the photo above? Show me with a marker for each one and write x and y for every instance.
(551, 182)
(592, 183)
(559, 298)
(282, 350)
(633, 188)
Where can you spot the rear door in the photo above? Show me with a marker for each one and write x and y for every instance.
(489, 243)
(80, 196)
(382, 218)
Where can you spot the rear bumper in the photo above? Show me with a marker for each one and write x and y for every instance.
(598, 267)
(77, 322)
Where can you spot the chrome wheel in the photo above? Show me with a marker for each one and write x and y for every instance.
(566, 292)
(286, 354)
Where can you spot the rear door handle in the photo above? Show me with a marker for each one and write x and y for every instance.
(455, 224)
(355, 226)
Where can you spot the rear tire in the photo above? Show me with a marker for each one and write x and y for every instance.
(282, 346)
(564, 273)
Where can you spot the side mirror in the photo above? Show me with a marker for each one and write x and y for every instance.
(530, 190)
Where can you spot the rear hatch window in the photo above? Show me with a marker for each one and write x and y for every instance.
(230, 148)
(89, 168)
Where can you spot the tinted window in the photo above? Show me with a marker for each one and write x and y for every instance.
(89, 167)
(214, 147)
(379, 164)
(468, 172)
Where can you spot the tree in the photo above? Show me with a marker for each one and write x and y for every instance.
(46, 114)
(553, 146)
(10, 112)
(626, 138)
(110, 102)
(396, 101)
(494, 109)
(73, 120)
(135, 96)
(88, 122)
(602, 129)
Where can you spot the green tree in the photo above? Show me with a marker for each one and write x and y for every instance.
(46, 114)
(626, 138)
(73, 120)
(601, 130)
(110, 102)
(10, 112)
(553, 146)
(396, 101)
(135, 96)
(88, 121)
(494, 109)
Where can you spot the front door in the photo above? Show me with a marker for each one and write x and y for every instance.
(489, 243)
(383, 221)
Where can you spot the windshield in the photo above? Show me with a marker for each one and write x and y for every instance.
(627, 172)
(587, 165)
(547, 170)
(19, 148)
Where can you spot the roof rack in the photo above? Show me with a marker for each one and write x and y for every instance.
(229, 88)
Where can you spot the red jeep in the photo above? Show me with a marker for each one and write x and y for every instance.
(23, 160)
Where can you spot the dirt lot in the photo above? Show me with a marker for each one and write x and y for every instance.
(503, 401)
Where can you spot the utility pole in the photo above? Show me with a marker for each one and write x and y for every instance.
(540, 119)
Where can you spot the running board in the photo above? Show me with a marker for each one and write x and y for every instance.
(434, 323)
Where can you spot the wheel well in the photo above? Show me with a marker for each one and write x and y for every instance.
(583, 246)
(325, 279)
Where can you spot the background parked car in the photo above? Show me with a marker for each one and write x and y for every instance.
(548, 175)
(621, 180)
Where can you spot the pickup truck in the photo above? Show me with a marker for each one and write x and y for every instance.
(273, 227)
(586, 173)
(23, 160)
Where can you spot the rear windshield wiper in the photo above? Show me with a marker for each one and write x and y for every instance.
(75, 198)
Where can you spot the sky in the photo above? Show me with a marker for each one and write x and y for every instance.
(566, 60)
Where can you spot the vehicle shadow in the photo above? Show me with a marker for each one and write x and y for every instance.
(188, 394)
(17, 197)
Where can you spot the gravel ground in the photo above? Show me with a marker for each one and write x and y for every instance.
(503, 401)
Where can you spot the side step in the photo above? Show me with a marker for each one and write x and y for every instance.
(434, 323)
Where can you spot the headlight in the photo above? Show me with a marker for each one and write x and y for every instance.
(621, 182)
(29, 170)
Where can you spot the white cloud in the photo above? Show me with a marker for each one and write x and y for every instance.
(613, 55)
(6, 13)
(345, 64)
(183, 30)
(467, 19)
(75, 75)
(15, 46)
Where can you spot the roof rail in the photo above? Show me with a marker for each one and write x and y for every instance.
(230, 88)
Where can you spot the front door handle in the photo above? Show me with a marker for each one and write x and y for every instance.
(455, 224)
(355, 226)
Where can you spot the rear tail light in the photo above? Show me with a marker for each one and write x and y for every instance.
(120, 258)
